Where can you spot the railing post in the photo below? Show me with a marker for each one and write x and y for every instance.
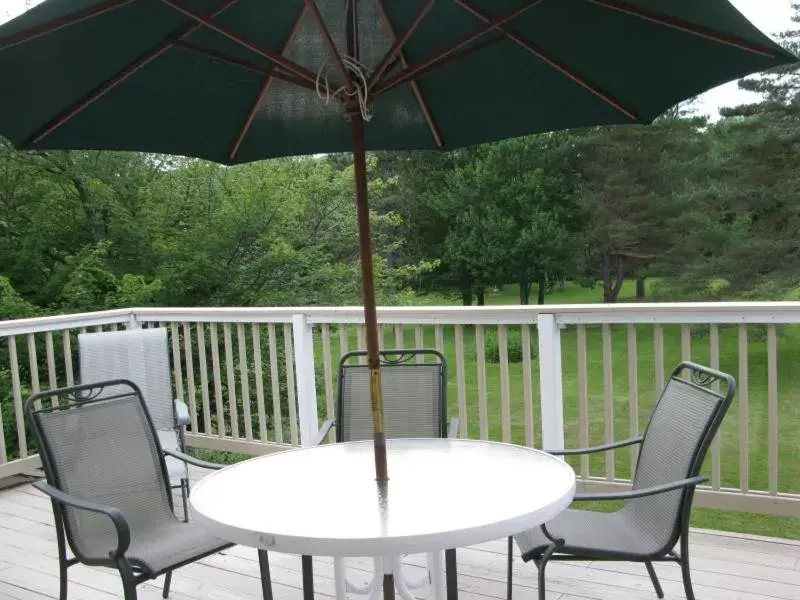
(132, 322)
(550, 382)
(303, 337)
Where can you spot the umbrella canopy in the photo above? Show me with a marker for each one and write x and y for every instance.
(241, 80)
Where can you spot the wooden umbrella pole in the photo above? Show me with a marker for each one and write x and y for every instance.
(368, 285)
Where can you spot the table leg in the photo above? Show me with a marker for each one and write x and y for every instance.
(436, 570)
(452, 575)
(308, 578)
(340, 577)
(266, 578)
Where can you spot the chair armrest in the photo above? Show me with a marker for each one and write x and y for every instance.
(650, 491)
(452, 431)
(182, 413)
(323, 432)
(191, 460)
(593, 449)
(116, 516)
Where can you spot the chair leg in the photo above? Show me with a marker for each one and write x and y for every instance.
(62, 558)
(687, 576)
(541, 564)
(654, 578)
(185, 498)
(308, 578)
(167, 583)
(266, 578)
(510, 572)
(128, 579)
(451, 573)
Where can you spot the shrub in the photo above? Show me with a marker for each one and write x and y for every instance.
(492, 345)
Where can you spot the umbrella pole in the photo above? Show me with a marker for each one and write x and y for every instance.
(368, 285)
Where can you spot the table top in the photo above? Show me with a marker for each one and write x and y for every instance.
(325, 501)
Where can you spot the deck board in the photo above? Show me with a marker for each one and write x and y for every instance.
(724, 567)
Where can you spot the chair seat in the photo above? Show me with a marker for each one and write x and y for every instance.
(159, 549)
(588, 532)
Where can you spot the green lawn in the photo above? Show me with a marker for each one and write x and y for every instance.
(788, 396)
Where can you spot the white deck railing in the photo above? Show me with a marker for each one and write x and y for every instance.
(261, 379)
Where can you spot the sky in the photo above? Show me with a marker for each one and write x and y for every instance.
(770, 16)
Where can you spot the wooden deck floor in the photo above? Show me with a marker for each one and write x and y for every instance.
(725, 567)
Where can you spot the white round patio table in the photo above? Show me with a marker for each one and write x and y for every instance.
(442, 494)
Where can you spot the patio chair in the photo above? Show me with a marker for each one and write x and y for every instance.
(107, 479)
(142, 356)
(656, 514)
(414, 405)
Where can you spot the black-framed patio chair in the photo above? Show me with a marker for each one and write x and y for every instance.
(414, 384)
(656, 515)
(107, 479)
(142, 356)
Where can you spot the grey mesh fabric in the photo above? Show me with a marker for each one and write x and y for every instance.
(104, 452)
(141, 356)
(644, 526)
(412, 401)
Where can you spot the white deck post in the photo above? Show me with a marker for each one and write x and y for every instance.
(550, 382)
(303, 337)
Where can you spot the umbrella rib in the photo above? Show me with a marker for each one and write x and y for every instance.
(62, 23)
(288, 65)
(399, 42)
(264, 89)
(551, 62)
(438, 59)
(328, 41)
(437, 138)
(686, 27)
(121, 76)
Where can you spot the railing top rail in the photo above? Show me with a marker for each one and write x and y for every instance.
(566, 314)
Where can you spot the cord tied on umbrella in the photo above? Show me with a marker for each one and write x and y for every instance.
(359, 91)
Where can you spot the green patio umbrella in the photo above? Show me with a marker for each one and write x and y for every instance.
(241, 80)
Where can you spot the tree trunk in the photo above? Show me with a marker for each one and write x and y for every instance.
(524, 289)
(620, 278)
(640, 291)
(607, 289)
(481, 293)
(542, 285)
(466, 290)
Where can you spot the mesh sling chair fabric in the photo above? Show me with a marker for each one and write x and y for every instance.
(106, 475)
(141, 356)
(656, 514)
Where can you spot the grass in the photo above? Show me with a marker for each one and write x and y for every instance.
(756, 447)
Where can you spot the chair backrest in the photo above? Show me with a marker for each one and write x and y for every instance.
(677, 438)
(414, 395)
(97, 443)
(138, 355)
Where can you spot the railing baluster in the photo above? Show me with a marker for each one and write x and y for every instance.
(3, 453)
(505, 393)
(686, 342)
(399, 338)
(176, 360)
(527, 384)
(52, 380)
(33, 364)
(16, 390)
(361, 332)
(327, 371)
(277, 417)
(258, 373)
(221, 429)
(344, 342)
(201, 356)
(480, 354)
(65, 343)
(419, 342)
(439, 335)
(633, 393)
(608, 397)
(461, 381)
(772, 406)
(244, 376)
(290, 391)
(191, 399)
(743, 392)
(583, 399)
(658, 357)
(231, 380)
(716, 466)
